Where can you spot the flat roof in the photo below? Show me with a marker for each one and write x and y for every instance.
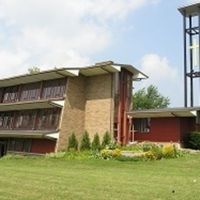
(27, 134)
(190, 9)
(29, 105)
(97, 69)
(165, 112)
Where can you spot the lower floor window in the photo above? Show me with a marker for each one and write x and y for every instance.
(142, 125)
(20, 145)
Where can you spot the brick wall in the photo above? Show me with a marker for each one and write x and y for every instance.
(73, 115)
(88, 106)
(99, 105)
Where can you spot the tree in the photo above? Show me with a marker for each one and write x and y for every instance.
(149, 98)
(85, 142)
(96, 146)
(106, 140)
(72, 142)
(33, 70)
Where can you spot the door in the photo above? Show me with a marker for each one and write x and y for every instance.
(2, 148)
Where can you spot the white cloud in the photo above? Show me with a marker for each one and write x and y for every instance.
(163, 75)
(57, 32)
(192, 1)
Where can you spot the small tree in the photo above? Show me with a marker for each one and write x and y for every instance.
(106, 139)
(149, 98)
(72, 142)
(33, 70)
(85, 142)
(96, 146)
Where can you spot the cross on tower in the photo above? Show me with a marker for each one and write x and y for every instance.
(195, 53)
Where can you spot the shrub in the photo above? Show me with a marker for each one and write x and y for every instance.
(106, 140)
(133, 147)
(169, 151)
(109, 154)
(96, 146)
(148, 146)
(72, 143)
(194, 140)
(85, 142)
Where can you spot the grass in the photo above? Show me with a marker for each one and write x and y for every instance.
(54, 179)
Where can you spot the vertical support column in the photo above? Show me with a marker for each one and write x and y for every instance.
(191, 61)
(185, 60)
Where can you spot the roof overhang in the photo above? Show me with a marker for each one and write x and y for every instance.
(111, 67)
(190, 10)
(97, 69)
(29, 105)
(170, 112)
(40, 76)
(29, 134)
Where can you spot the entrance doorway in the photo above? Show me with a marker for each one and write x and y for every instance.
(3, 148)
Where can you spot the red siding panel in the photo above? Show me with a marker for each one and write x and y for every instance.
(42, 146)
(187, 126)
(161, 130)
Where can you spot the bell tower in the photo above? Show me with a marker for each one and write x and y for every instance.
(191, 33)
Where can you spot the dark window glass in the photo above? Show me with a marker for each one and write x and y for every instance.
(20, 145)
(10, 94)
(142, 125)
(25, 120)
(1, 95)
(48, 119)
(30, 92)
(53, 88)
(6, 120)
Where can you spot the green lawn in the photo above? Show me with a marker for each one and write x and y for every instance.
(40, 178)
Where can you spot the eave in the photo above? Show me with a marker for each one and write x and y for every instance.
(29, 105)
(167, 112)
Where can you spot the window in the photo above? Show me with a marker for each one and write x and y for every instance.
(30, 92)
(1, 95)
(6, 120)
(53, 89)
(48, 119)
(142, 125)
(20, 145)
(10, 94)
(25, 120)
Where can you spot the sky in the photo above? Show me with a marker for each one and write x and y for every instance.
(65, 33)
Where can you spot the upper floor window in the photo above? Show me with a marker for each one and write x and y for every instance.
(10, 94)
(1, 94)
(6, 120)
(30, 92)
(48, 119)
(53, 88)
(25, 120)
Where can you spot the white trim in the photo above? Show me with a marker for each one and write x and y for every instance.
(59, 103)
(74, 72)
(53, 135)
(118, 68)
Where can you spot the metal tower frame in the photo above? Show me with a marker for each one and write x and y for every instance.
(190, 14)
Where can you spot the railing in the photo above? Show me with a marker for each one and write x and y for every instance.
(50, 89)
(43, 119)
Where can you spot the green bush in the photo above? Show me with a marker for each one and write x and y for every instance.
(158, 152)
(169, 151)
(194, 140)
(85, 142)
(72, 143)
(96, 146)
(106, 140)
(109, 154)
(148, 146)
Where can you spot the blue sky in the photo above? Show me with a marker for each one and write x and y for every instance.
(56, 33)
